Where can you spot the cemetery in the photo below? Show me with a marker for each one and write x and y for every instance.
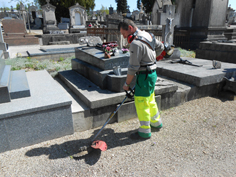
(35, 107)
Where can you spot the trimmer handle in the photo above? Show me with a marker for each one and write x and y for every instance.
(130, 94)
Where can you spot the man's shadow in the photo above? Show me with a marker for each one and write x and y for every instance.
(71, 148)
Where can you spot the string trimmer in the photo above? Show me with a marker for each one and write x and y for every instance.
(99, 144)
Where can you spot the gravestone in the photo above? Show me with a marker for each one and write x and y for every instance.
(231, 16)
(65, 23)
(49, 18)
(135, 15)
(38, 23)
(33, 13)
(202, 20)
(111, 11)
(78, 16)
(15, 33)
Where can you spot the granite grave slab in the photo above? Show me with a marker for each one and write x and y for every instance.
(96, 58)
(198, 76)
(43, 116)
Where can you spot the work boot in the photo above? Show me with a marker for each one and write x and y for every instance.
(135, 136)
(157, 128)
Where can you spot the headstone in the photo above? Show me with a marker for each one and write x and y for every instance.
(101, 18)
(49, 18)
(104, 14)
(231, 16)
(98, 18)
(33, 13)
(135, 15)
(38, 23)
(111, 10)
(202, 25)
(77, 18)
(65, 23)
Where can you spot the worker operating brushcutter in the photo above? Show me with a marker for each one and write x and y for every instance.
(143, 51)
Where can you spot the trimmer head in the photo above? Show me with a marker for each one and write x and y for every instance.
(98, 144)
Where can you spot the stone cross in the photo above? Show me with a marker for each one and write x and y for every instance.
(47, 1)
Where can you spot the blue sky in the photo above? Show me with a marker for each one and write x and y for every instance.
(99, 3)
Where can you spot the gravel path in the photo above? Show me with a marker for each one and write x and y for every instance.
(198, 139)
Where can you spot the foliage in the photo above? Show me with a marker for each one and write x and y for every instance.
(21, 1)
(121, 6)
(62, 6)
(148, 4)
(36, 3)
(104, 9)
(187, 53)
(18, 6)
(28, 64)
(138, 4)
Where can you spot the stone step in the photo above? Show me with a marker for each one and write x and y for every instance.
(95, 97)
(5, 74)
(88, 92)
(1, 54)
(59, 42)
(19, 87)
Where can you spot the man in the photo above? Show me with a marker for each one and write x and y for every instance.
(142, 62)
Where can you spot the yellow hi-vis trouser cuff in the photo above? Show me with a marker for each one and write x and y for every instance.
(148, 114)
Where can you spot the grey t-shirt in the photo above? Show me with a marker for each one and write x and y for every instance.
(141, 54)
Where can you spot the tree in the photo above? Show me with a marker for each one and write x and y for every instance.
(62, 6)
(138, 4)
(104, 9)
(121, 6)
(148, 4)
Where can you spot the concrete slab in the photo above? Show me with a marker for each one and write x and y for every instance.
(198, 76)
